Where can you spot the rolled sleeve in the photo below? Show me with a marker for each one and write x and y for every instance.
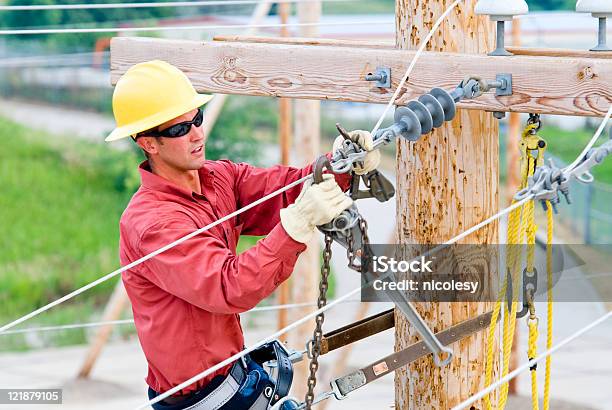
(205, 273)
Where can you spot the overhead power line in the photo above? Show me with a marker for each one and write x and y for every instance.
(190, 28)
(531, 362)
(72, 59)
(131, 321)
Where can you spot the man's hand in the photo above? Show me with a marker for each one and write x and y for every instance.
(317, 204)
(365, 141)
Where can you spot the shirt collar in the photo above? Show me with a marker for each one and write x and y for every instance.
(156, 183)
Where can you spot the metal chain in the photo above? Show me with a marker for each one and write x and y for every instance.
(363, 226)
(350, 254)
(315, 346)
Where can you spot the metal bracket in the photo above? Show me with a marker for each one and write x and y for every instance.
(505, 84)
(356, 331)
(343, 386)
(530, 286)
(382, 76)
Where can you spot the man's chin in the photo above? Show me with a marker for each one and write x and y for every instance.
(198, 162)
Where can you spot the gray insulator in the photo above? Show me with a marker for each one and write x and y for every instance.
(409, 123)
(425, 118)
(446, 101)
(435, 109)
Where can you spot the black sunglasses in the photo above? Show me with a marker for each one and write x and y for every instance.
(176, 130)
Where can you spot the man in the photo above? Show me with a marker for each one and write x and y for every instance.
(187, 300)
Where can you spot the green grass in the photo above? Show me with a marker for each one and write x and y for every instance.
(566, 145)
(60, 206)
(360, 7)
(59, 211)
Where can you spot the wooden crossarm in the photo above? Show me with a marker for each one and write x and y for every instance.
(565, 85)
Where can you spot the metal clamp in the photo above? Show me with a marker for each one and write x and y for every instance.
(594, 157)
(530, 287)
(475, 86)
(549, 180)
(378, 185)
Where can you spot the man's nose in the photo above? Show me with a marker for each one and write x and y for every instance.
(196, 134)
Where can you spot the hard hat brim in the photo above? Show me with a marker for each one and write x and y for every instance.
(157, 119)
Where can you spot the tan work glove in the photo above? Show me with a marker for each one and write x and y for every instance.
(317, 204)
(365, 141)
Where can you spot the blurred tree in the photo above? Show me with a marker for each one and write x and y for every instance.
(535, 5)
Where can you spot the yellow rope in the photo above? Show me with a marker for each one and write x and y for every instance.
(549, 280)
(532, 352)
(533, 322)
(514, 226)
(521, 229)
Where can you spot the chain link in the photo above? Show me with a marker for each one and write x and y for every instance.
(363, 226)
(315, 346)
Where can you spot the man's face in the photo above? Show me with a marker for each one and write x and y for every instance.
(182, 153)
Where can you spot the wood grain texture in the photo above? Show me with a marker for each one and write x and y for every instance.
(446, 183)
(553, 85)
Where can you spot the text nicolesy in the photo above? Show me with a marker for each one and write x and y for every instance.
(384, 263)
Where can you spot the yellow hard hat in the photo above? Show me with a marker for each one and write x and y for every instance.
(148, 95)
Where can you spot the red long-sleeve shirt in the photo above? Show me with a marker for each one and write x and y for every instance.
(186, 300)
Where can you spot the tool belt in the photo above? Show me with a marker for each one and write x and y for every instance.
(274, 389)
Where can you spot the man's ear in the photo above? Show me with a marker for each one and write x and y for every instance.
(148, 144)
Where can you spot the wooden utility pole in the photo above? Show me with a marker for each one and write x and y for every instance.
(116, 304)
(305, 278)
(446, 183)
(284, 127)
(514, 133)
